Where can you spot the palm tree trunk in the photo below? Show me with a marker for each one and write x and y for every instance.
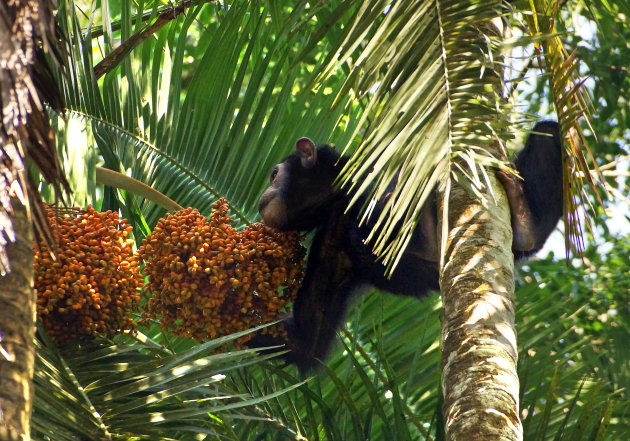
(17, 318)
(479, 352)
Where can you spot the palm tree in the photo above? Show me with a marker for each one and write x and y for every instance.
(202, 109)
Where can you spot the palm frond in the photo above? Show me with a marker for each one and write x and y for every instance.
(352, 397)
(571, 103)
(431, 92)
(26, 138)
(250, 91)
(141, 389)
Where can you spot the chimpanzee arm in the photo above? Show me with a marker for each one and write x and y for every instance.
(536, 200)
(321, 303)
(322, 300)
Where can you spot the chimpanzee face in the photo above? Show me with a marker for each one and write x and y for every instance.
(300, 188)
(273, 205)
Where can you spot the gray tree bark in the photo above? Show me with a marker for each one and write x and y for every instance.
(479, 353)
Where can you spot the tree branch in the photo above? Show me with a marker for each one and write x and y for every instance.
(114, 58)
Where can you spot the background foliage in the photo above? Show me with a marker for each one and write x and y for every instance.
(202, 110)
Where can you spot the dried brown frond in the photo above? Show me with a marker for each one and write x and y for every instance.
(26, 33)
(572, 104)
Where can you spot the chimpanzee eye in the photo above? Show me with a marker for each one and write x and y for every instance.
(274, 173)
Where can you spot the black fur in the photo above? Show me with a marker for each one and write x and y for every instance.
(302, 197)
(540, 166)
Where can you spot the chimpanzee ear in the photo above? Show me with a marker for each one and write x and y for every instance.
(308, 152)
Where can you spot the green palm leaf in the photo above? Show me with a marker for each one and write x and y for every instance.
(432, 95)
(141, 389)
(249, 93)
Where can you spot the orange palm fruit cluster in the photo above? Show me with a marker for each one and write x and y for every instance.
(90, 283)
(207, 279)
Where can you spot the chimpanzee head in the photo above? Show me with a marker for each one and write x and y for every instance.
(301, 188)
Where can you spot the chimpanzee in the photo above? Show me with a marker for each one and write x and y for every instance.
(302, 197)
